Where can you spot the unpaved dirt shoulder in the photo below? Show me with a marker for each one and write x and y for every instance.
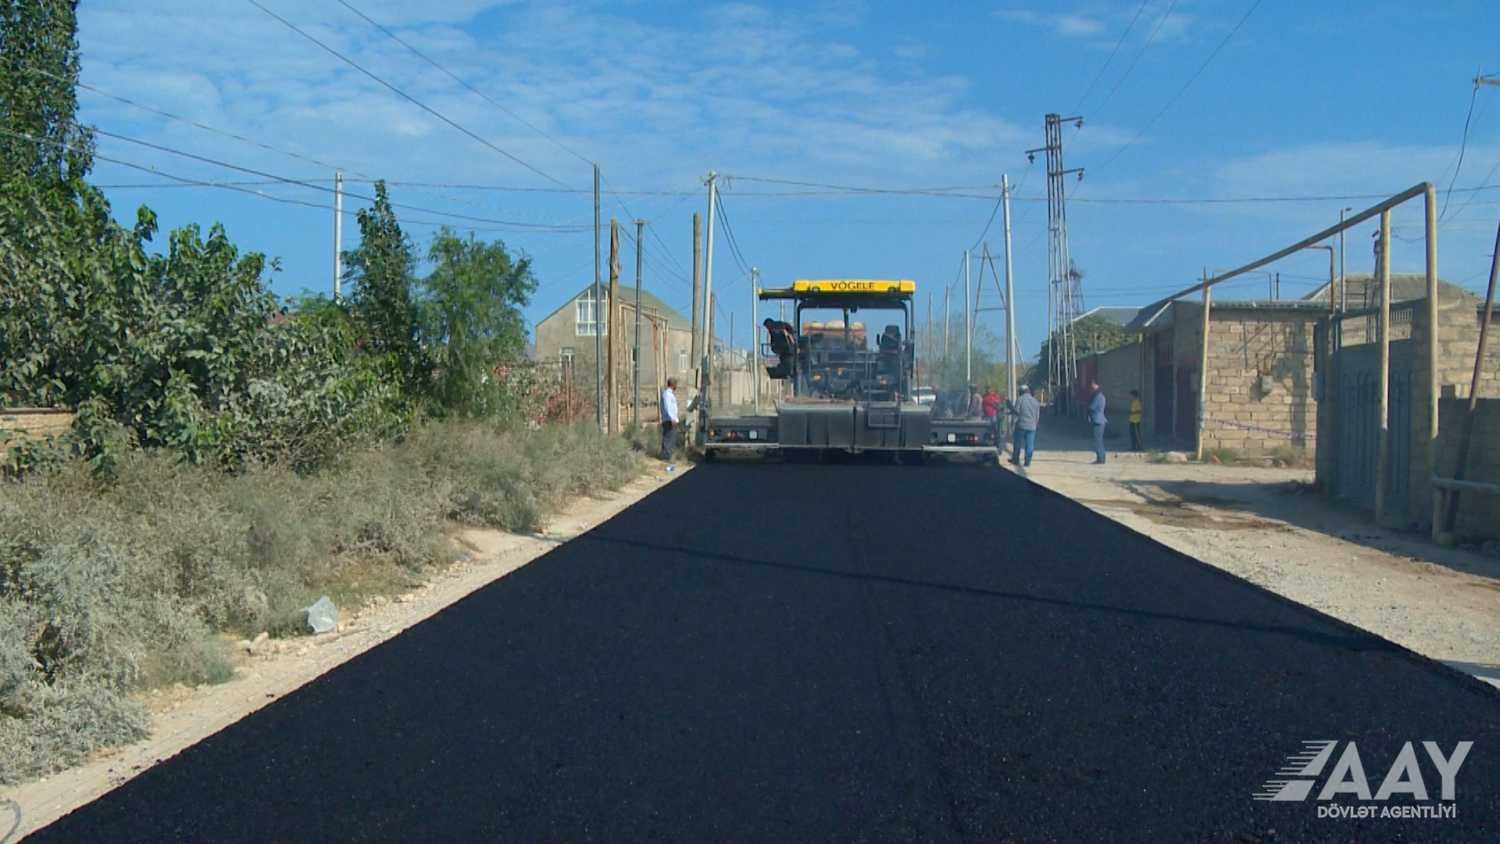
(181, 717)
(1269, 527)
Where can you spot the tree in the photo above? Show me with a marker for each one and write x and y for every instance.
(471, 316)
(381, 271)
(41, 142)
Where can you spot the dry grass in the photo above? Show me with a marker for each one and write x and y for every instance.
(107, 590)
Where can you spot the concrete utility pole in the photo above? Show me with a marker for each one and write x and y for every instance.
(1203, 366)
(708, 274)
(338, 234)
(755, 336)
(1010, 294)
(1384, 443)
(968, 328)
(635, 356)
(947, 291)
(615, 337)
(696, 344)
(928, 339)
(1343, 280)
(598, 312)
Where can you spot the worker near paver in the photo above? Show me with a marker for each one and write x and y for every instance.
(669, 422)
(990, 404)
(1028, 412)
(1097, 420)
(1137, 410)
(976, 404)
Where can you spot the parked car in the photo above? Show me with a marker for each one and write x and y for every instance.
(924, 395)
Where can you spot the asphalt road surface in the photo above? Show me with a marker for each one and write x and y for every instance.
(779, 652)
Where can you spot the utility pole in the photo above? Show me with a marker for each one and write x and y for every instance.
(696, 344)
(968, 328)
(635, 357)
(708, 274)
(928, 339)
(338, 233)
(947, 292)
(598, 317)
(614, 336)
(1343, 281)
(1010, 294)
(755, 336)
(1065, 290)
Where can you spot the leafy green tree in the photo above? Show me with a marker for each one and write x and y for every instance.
(41, 142)
(382, 273)
(471, 317)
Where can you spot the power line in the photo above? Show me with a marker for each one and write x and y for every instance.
(1138, 53)
(1183, 90)
(1463, 146)
(734, 246)
(203, 126)
(456, 78)
(408, 97)
(942, 191)
(1097, 76)
(317, 186)
(239, 187)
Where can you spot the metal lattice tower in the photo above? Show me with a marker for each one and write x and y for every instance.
(1064, 287)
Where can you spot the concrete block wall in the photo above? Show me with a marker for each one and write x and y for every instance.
(1241, 413)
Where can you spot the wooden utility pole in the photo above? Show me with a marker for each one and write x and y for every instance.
(635, 356)
(613, 396)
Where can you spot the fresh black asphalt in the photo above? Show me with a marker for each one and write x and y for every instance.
(860, 652)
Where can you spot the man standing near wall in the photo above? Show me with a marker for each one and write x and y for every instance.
(1097, 421)
(669, 422)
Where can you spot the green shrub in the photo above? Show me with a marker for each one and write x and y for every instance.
(110, 586)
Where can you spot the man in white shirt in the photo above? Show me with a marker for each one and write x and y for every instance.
(669, 421)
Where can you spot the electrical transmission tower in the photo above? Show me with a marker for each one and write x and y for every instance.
(1064, 288)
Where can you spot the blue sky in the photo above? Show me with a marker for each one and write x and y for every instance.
(1326, 99)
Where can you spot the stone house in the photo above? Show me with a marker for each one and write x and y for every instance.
(565, 337)
(1261, 374)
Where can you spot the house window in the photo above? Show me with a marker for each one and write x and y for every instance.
(588, 317)
(682, 360)
(568, 354)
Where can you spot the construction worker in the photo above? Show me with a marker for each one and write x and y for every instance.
(1137, 410)
(990, 403)
(976, 404)
(669, 423)
(1028, 412)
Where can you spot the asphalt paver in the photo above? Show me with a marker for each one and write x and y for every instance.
(779, 652)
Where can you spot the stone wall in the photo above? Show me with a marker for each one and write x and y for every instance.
(19, 424)
(1260, 381)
